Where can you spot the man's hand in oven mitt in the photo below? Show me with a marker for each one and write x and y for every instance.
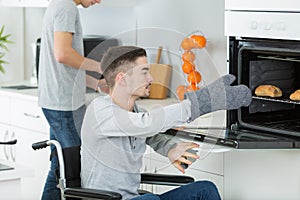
(219, 95)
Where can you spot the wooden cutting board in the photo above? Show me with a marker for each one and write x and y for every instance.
(161, 74)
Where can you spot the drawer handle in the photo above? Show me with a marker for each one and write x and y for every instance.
(31, 115)
(12, 149)
(5, 147)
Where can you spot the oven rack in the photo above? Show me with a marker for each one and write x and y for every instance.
(280, 100)
(292, 59)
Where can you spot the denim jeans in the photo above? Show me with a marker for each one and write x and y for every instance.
(65, 127)
(200, 190)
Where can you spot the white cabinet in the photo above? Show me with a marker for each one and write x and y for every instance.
(10, 2)
(26, 114)
(24, 3)
(164, 168)
(35, 3)
(209, 168)
(5, 109)
(36, 160)
(262, 174)
(23, 120)
(45, 3)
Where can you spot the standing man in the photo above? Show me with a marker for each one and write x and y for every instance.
(62, 81)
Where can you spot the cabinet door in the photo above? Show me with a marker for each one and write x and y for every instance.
(36, 3)
(165, 168)
(11, 2)
(4, 108)
(36, 160)
(26, 114)
(25, 3)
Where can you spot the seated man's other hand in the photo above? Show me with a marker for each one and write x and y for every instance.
(179, 154)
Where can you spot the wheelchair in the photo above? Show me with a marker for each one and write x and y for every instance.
(69, 181)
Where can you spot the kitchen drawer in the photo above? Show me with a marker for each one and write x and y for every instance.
(210, 160)
(162, 168)
(5, 109)
(27, 114)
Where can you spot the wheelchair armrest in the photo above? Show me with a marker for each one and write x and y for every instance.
(91, 193)
(165, 179)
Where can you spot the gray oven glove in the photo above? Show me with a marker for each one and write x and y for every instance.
(219, 95)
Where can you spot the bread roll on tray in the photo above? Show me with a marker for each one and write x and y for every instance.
(268, 91)
(295, 96)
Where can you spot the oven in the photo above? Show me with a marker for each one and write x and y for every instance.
(264, 49)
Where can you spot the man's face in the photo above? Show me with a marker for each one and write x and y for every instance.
(88, 3)
(138, 78)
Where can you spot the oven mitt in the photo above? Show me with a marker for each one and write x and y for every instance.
(219, 95)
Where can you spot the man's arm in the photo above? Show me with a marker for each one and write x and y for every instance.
(66, 54)
(161, 143)
(111, 120)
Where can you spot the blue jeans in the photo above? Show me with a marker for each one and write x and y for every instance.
(200, 190)
(65, 127)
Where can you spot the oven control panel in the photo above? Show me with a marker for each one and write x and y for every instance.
(273, 25)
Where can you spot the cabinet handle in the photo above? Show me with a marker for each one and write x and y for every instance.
(31, 115)
(12, 148)
(5, 147)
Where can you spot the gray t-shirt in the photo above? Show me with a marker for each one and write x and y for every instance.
(114, 141)
(61, 87)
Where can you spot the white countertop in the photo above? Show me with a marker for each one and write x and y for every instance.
(32, 94)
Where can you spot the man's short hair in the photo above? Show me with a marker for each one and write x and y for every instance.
(119, 59)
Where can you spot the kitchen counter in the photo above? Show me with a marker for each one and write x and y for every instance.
(32, 93)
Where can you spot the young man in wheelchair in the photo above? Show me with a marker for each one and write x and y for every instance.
(115, 131)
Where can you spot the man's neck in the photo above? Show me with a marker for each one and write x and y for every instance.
(124, 101)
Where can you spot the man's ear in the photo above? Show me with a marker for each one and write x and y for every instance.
(120, 78)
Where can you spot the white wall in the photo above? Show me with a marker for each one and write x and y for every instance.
(33, 18)
(12, 18)
(171, 21)
(148, 23)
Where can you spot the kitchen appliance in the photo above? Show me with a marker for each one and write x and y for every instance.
(95, 46)
(37, 57)
(263, 48)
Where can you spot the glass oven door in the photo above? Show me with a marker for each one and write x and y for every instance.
(258, 62)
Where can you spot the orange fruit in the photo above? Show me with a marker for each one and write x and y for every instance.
(181, 89)
(199, 40)
(187, 44)
(194, 77)
(188, 67)
(192, 87)
(188, 56)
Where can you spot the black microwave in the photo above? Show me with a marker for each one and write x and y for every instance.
(94, 47)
